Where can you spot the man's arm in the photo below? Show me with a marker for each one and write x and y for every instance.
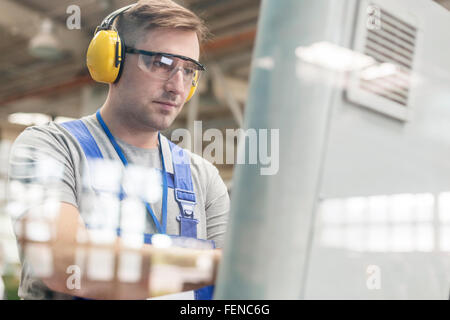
(217, 207)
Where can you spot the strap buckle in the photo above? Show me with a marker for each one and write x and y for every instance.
(182, 195)
(187, 201)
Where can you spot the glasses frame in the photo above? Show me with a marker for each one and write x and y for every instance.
(154, 53)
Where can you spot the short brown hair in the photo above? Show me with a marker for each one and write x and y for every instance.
(152, 14)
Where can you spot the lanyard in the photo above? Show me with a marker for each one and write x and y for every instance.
(160, 227)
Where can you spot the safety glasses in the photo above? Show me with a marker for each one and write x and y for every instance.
(164, 65)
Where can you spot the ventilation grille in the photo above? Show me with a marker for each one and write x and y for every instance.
(392, 42)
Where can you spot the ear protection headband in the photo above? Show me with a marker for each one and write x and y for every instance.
(106, 53)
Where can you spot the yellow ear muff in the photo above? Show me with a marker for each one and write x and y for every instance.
(193, 87)
(104, 56)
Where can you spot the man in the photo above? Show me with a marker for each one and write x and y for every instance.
(160, 41)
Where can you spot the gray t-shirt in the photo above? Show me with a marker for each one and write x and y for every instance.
(54, 141)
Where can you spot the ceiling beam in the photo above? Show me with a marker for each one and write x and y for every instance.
(53, 89)
(226, 42)
(237, 18)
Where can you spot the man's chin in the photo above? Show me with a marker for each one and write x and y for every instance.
(158, 119)
(162, 125)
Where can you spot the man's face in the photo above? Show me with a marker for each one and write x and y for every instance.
(154, 103)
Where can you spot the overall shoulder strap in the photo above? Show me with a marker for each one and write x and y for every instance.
(185, 196)
(182, 173)
(79, 130)
(184, 191)
(91, 150)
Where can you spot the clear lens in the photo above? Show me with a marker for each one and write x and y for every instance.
(164, 67)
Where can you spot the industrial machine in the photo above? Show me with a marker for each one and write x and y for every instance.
(360, 205)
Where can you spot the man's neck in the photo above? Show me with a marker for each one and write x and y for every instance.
(127, 130)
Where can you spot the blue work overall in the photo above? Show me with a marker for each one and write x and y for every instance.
(180, 182)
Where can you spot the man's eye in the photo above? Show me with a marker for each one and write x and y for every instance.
(160, 64)
(188, 71)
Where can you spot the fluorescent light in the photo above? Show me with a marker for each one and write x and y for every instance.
(331, 56)
(45, 45)
(29, 119)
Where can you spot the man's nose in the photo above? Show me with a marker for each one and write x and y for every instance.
(175, 84)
